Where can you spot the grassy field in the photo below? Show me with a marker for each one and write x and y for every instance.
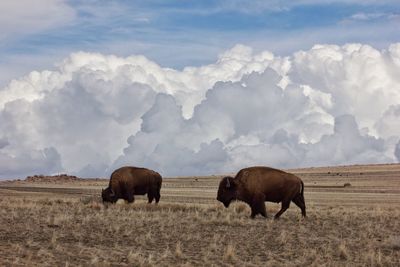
(353, 220)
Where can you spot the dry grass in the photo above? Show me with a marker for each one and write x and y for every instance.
(69, 229)
(65, 232)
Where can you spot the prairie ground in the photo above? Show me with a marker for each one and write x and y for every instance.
(353, 220)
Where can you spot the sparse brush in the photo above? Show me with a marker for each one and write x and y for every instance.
(227, 219)
(59, 201)
(178, 250)
(213, 247)
(310, 256)
(343, 252)
(96, 205)
(50, 220)
(229, 253)
(167, 253)
(19, 248)
(150, 259)
(240, 208)
(121, 202)
(95, 260)
(138, 259)
(148, 236)
(283, 237)
(86, 199)
(133, 257)
(393, 242)
(212, 208)
(373, 258)
(53, 240)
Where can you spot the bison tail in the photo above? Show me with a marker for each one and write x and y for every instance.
(159, 182)
(302, 188)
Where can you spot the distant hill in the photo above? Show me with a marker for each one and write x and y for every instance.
(52, 179)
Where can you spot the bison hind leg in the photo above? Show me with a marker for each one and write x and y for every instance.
(299, 201)
(150, 197)
(284, 207)
(158, 197)
(156, 193)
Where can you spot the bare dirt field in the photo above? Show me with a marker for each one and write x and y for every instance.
(353, 220)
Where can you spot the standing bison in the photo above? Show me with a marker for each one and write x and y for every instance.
(255, 185)
(128, 181)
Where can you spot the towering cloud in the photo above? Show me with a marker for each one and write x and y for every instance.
(329, 105)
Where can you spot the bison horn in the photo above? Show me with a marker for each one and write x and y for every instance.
(228, 184)
(112, 193)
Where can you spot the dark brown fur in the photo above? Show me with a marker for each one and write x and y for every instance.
(255, 185)
(128, 181)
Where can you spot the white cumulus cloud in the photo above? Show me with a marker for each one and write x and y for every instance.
(328, 105)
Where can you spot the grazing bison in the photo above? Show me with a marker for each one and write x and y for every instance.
(128, 181)
(255, 185)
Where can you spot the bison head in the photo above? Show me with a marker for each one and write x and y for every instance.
(108, 195)
(227, 191)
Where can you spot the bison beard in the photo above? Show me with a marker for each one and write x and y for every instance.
(126, 182)
(255, 185)
(108, 195)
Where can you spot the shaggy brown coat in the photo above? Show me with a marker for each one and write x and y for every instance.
(128, 181)
(255, 185)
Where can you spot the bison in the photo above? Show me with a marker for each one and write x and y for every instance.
(255, 185)
(128, 181)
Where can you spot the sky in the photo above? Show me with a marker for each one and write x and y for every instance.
(197, 87)
(182, 33)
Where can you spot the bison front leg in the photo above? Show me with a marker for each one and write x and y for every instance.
(258, 206)
(131, 198)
